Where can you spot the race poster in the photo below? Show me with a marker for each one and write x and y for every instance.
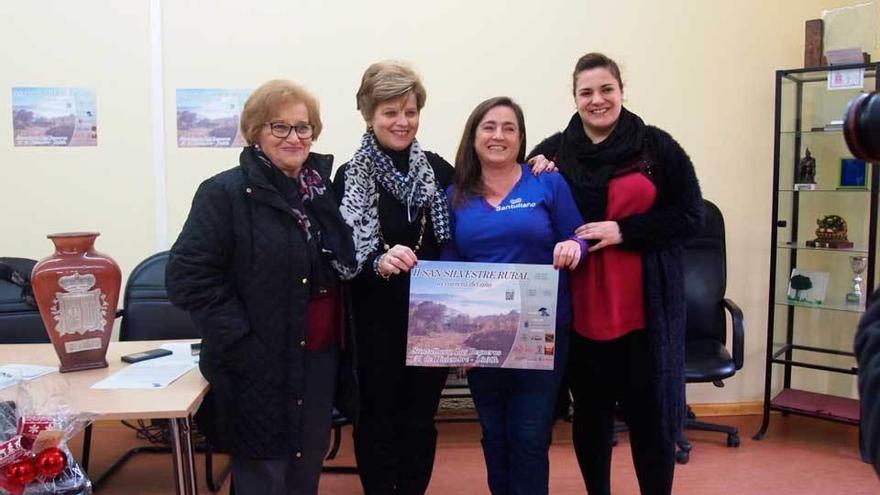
(54, 116)
(209, 118)
(482, 315)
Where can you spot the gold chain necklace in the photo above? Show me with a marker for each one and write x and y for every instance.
(422, 221)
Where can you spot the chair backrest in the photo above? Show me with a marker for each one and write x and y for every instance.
(19, 322)
(147, 313)
(705, 276)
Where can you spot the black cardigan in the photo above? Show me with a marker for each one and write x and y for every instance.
(659, 234)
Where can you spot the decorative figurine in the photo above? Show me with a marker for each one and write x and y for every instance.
(831, 233)
(858, 265)
(805, 173)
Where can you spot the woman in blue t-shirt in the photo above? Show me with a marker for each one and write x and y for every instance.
(501, 213)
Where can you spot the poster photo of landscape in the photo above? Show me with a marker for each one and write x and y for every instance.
(54, 116)
(482, 315)
(209, 118)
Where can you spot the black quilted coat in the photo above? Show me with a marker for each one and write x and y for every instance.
(240, 268)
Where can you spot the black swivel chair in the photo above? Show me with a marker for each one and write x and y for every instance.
(707, 359)
(20, 322)
(147, 314)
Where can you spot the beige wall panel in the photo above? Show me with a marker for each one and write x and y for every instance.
(108, 188)
(702, 70)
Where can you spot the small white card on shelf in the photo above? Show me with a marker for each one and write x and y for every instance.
(846, 79)
(805, 187)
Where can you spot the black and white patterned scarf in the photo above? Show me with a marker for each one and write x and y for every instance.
(417, 189)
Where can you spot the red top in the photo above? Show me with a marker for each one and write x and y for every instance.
(607, 290)
(324, 322)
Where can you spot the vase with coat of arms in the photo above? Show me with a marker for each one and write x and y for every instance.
(77, 289)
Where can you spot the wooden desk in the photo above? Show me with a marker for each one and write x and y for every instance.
(177, 403)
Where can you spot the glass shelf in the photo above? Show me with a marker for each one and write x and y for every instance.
(820, 74)
(800, 245)
(809, 351)
(819, 405)
(829, 305)
(835, 190)
(823, 359)
(833, 132)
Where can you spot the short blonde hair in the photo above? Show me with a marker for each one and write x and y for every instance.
(385, 81)
(266, 100)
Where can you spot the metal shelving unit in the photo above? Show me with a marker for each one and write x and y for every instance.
(802, 101)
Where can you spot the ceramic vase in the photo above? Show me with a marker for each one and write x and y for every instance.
(77, 289)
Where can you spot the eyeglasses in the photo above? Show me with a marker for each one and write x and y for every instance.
(282, 130)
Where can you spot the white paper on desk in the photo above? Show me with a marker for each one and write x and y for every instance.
(155, 373)
(10, 374)
(180, 352)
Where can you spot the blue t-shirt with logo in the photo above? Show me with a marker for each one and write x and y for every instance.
(524, 228)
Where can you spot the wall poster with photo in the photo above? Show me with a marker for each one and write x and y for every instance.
(209, 118)
(54, 116)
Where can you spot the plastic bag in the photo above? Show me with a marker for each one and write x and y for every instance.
(35, 427)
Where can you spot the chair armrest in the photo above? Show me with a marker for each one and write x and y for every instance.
(739, 331)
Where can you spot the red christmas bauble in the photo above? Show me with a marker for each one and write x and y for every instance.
(51, 462)
(21, 472)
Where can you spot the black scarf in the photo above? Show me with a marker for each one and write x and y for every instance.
(589, 167)
(312, 202)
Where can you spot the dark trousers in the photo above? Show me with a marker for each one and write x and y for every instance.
(603, 375)
(297, 475)
(516, 409)
(395, 437)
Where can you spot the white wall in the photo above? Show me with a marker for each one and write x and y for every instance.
(702, 70)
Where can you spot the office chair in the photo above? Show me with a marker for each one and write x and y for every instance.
(707, 358)
(147, 314)
(20, 321)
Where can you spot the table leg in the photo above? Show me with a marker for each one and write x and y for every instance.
(184, 457)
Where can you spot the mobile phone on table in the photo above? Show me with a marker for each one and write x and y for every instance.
(145, 355)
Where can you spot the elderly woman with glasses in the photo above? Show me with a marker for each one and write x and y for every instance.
(392, 195)
(256, 266)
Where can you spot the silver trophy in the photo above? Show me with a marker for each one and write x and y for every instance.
(858, 265)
